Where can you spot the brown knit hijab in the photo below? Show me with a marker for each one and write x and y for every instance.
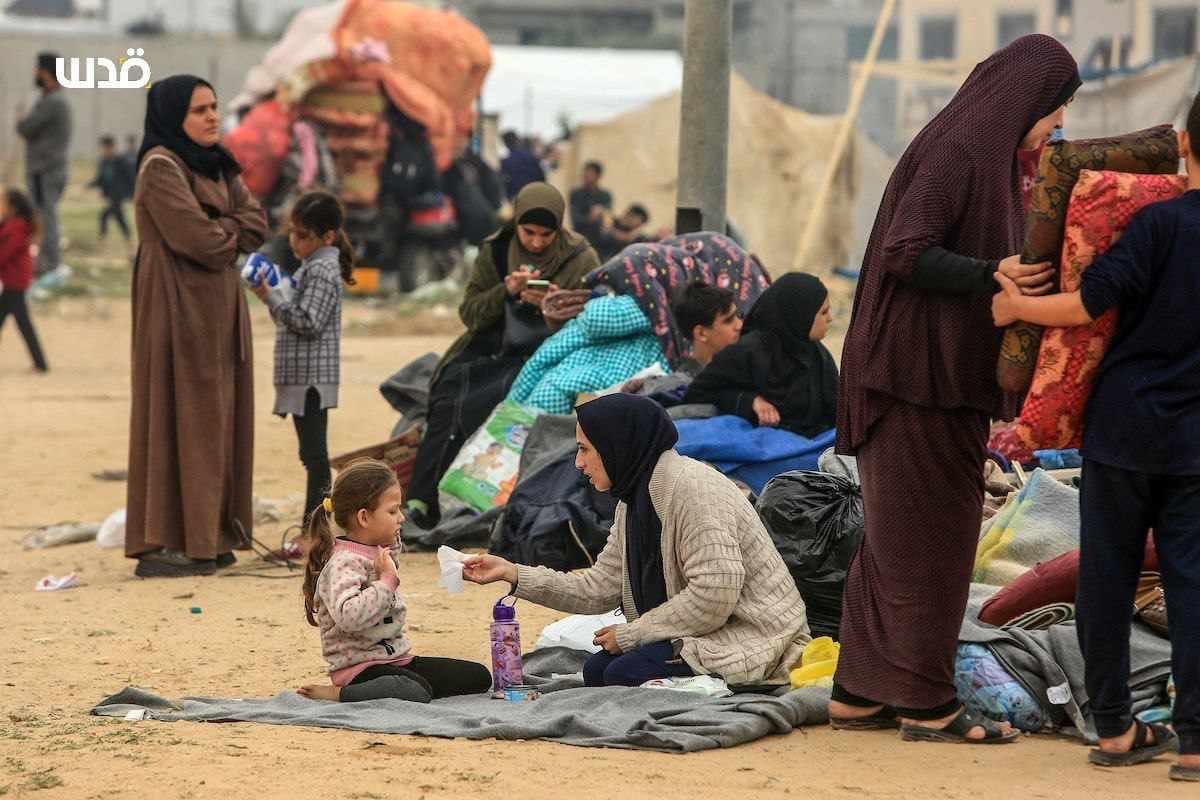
(544, 198)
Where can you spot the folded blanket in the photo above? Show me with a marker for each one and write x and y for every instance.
(747, 453)
(1048, 663)
(1039, 619)
(607, 343)
(1049, 583)
(1039, 523)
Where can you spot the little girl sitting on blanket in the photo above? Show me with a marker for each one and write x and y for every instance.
(350, 592)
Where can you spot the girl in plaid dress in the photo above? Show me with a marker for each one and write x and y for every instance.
(308, 321)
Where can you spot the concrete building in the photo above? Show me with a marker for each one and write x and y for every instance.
(1135, 32)
(636, 24)
(802, 52)
(797, 51)
(941, 40)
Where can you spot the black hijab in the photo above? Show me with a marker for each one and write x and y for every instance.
(166, 108)
(630, 433)
(775, 358)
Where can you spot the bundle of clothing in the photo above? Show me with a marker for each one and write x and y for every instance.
(1038, 523)
(651, 273)
(608, 342)
(352, 116)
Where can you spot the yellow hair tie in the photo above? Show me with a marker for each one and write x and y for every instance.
(327, 504)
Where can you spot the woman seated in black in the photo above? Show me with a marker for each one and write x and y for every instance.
(778, 374)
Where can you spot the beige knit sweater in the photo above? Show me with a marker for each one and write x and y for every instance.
(729, 596)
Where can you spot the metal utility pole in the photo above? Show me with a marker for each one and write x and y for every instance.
(704, 116)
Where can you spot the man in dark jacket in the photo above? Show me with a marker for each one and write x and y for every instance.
(520, 167)
(590, 202)
(46, 130)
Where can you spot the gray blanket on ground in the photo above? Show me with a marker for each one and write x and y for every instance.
(1042, 660)
(637, 719)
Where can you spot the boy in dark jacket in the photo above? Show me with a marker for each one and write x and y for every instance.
(1141, 468)
(114, 179)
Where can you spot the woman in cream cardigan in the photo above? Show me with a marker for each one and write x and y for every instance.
(702, 588)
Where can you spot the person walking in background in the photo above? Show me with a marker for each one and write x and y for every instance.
(114, 179)
(131, 152)
(46, 130)
(191, 429)
(18, 228)
(590, 202)
(520, 167)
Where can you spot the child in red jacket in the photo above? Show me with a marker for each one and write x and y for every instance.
(18, 226)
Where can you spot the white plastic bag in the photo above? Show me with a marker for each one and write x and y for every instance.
(112, 530)
(577, 631)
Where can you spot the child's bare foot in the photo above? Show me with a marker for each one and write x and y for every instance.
(318, 691)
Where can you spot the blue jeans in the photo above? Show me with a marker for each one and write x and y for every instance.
(650, 661)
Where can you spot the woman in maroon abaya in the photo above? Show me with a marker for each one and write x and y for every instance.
(918, 389)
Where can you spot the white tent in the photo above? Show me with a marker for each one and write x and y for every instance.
(532, 87)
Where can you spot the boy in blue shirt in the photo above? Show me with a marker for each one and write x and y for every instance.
(1141, 470)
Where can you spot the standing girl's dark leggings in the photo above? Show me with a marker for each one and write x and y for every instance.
(13, 302)
(312, 430)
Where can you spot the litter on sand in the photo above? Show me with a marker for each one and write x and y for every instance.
(60, 533)
(53, 583)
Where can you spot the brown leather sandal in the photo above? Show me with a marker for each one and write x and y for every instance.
(1143, 749)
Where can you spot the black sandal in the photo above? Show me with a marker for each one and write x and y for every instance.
(1142, 751)
(882, 720)
(1181, 773)
(956, 732)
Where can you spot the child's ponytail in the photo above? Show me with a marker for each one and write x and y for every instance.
(320, 548)
(345, 256)
(321, 212)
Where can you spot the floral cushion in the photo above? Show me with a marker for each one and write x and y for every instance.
(1101, 205)
(1152, 151)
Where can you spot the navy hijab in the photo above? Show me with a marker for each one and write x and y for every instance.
(166, 108)
(630, 433)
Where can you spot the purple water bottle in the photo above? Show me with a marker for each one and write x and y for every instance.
(506, 648)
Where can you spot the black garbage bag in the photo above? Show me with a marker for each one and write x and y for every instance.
(816, 523)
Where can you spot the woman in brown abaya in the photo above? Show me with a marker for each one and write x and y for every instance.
(919, 389)
(191, 433)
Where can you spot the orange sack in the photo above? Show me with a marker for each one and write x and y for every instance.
(431, 64)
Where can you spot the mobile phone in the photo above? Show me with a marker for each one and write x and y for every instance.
(537, 283)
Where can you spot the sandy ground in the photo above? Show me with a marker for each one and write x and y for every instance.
(64, 651)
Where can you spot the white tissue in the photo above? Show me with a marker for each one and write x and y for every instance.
(450, 563)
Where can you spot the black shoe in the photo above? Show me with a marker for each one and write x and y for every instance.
(226, 560)
(172, 564)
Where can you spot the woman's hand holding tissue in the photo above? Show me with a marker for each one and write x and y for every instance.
(489, 569)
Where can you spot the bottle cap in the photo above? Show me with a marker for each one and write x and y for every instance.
(502, 612)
